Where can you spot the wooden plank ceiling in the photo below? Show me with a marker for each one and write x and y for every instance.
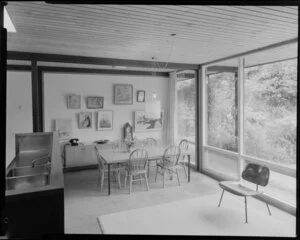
(140, 32)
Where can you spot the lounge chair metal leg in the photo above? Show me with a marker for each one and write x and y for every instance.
(268, 209)
(221, 198)
(246, 208)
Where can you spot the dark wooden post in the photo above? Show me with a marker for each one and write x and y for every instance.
(3, 58)
(37, 109)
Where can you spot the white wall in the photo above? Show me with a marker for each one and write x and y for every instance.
(19, 109)
(58, 85)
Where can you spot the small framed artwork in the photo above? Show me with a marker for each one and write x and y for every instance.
(140, 96)
(73, 101)
(95, 102)
(144, 123)
(64, 128)
(105, 120)
(123, 94)
(84, 120)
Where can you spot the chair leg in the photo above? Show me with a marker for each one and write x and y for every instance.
(130, 184)
(119, 178)
(163, 178)
(116, 176)
(156, 173)
(184, 170)
(221, 198)
(125, 179)
(99, 180)
(102, 181)
(246, 209)
(146, 179)
(177, 177)
(268, 209)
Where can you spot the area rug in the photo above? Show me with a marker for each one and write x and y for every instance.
(198, 216)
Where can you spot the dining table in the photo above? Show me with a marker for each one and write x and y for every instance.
(154, 153)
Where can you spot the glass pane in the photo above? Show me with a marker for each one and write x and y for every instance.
(270, 111)
(186, 109)
(221, 107)
(221, 163)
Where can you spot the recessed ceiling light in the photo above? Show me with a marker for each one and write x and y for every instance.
(8, 23)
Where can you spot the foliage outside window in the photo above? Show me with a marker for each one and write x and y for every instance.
(186, 95)
(222, 129)
(270, 111)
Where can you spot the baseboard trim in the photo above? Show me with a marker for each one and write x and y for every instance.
(80, 168)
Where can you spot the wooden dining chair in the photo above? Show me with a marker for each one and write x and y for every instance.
(254, 173)
(102, 168)
(149, 142)
(119, 146)
(136, 168)
(184, 147)
(169, 162)
(138, 143)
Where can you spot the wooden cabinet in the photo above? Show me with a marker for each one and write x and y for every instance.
(81, 155)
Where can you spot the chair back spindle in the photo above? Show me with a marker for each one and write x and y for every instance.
(100, 160)
(138, 160)
(149, 142)
(171, 156)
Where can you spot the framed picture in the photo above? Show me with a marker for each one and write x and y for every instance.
(85, 120)
(123, 94)
(140, 96)
(73, 101)
(105, 120)
(64, 128)
(144, 123)
(95, 102)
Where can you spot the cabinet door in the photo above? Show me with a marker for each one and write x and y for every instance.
(90, 157)
(75, 156)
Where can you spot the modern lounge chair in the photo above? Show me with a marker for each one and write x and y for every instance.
(253, 173)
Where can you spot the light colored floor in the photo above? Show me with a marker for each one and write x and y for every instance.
(84, 202)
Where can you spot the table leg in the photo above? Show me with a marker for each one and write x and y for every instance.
(189, 164)
(108, 168)
(148, 168)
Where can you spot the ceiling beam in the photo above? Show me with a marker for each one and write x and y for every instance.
(45, 57)
(217, 68)
(290, 41)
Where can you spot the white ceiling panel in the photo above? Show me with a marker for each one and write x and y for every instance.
(140, 32)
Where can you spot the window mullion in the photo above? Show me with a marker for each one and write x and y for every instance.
(240, 112)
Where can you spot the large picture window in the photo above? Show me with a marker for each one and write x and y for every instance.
(270, 112)
(186, 109)
(221, 106)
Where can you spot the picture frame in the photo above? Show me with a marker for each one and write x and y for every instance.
(64, 128)
(95, 102)
(73, 101)
(140, 96)
(104, 120)
(84, 120)
(123, 94)
(143, 123)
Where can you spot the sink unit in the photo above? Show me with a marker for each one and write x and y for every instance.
(27, 177)
(34, 196)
